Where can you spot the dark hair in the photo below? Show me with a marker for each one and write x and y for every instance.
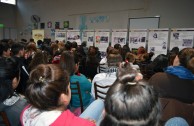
(9, 69)
(40, 57)
(68, 45)
(174, 50)
(46, 83)
(129, 102)
(124, 51)
(159, 63)
(92, 51)
(67, 62)
(186, 58)
(31, 40)
(4, 46)
(117, 46)
(74, 44)
(84, 43)
(39, 42)
(16, 47)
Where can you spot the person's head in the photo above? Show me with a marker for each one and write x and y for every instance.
(40, 57)
(74, 45)
(130, 57)
(61, 45)
(129, 102)
(84, 43)
(39, 43)
(159, 63)
(117, 46)
(68, 46)
(17, 49)
(124, 51)
(67, 62)
(175, 50)
(141, 50)
(146, 57)
(126, 48)
(114, 58)
(31, 47)
(48, 87)
(5, 49)
(9, 77)
(31, 40)
(185, 58)
(92, 51)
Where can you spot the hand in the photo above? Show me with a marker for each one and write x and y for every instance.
(92, 120)
(139, 77)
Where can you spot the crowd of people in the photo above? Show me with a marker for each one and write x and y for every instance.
(35, 85)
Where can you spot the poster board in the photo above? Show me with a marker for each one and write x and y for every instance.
(137, 38)
(60, 35)
(119, 36)
(181, 38)
(158, 41)
(74, 36)
(102, 38)
(88, 36)
(37, 35)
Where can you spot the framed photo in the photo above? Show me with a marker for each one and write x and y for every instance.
(66, 24)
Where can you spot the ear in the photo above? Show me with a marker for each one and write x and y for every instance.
(15, 82)
(176, 61)
(64, 99)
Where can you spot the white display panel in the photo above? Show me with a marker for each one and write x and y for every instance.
(158, 41)
(74, 35)
(119, 36)
(88, 36)
(182, 38)
(137, 38)
(102, 38)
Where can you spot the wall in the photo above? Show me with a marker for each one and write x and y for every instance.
(102, 14)
(8, 18)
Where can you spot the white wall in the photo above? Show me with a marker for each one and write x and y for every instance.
(173, 13)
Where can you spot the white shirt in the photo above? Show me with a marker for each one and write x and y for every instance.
(35, 117)
(103, 79)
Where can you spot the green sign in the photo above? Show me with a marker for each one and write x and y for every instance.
(1, 25)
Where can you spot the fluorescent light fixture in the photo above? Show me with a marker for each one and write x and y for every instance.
(9, 1)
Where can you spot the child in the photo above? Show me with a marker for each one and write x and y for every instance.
(49, 94)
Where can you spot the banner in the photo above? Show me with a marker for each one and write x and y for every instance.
(137, 38)
(60, 35)
(38, 35)
(119, 36)
(102, 39)
(181, 38)
(74, 36)
(88, 36)
(158, 41)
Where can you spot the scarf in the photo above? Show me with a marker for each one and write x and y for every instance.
(180, 71)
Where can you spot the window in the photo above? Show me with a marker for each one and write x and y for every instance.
(9, 1)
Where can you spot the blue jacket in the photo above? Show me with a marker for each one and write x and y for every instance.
(85, 87)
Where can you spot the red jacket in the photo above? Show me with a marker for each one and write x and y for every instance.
(69, 119)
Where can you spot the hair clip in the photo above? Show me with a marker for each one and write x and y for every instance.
(131, 83)
(41, 79)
